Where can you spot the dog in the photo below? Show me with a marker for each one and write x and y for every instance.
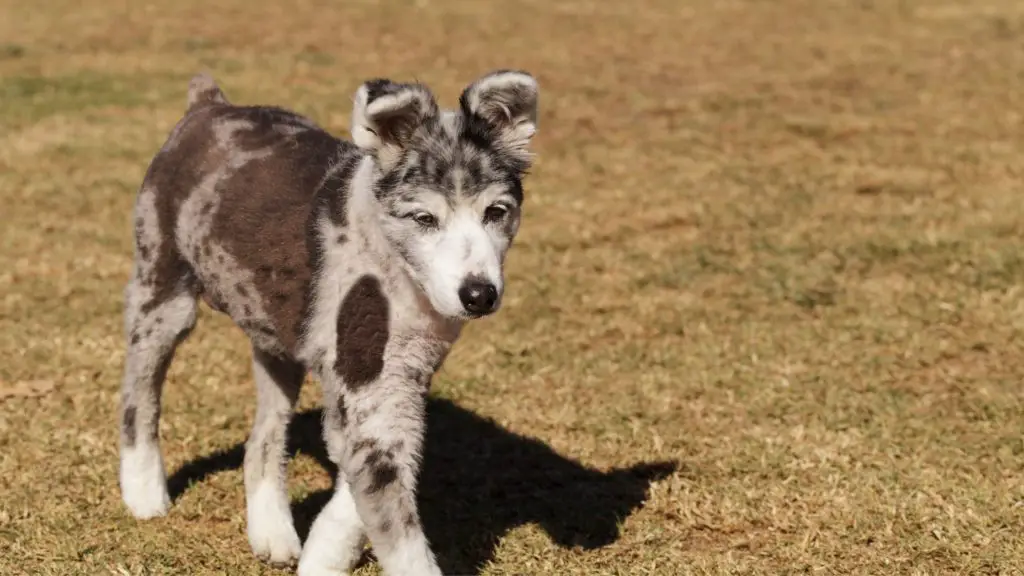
(356, 261)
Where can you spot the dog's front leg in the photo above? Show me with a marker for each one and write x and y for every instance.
(385, 438)
(379, 460)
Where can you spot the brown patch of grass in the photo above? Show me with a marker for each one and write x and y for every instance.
(777, 245)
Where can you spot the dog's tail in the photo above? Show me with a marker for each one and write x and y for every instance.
(202, 89)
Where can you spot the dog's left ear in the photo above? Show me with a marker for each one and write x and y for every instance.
(507, 101)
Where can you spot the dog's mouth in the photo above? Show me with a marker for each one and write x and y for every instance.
(478, 315)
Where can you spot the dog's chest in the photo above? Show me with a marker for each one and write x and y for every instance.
(365, 321)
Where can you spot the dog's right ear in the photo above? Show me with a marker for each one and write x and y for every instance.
(387, 113)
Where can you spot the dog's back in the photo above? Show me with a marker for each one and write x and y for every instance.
(224, 210)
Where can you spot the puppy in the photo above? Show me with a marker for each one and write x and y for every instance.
(357, 261)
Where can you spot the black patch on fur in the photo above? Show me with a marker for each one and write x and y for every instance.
(476, 130)
(135, 337)
(128, 425)
(342, 412)
(366, 444)
(387, 183)
(362, 333)
(375, 458)
(333, 193)
(411, 174)
(379, 87)
(382, 475)
(264, 454)
(421, 377)
(474, 171)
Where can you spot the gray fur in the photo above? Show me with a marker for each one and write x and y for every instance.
(352, 261)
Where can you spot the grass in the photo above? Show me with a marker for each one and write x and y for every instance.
(765, 313)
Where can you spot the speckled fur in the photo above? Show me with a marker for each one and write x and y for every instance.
(300, 238)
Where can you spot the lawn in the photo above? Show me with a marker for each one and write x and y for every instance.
(765, 313)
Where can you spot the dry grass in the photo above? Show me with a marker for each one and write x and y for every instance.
(776, 245)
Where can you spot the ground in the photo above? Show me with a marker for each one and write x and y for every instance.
(764, 316)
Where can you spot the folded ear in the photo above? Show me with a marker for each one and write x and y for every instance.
(386, 113)
(507, 101)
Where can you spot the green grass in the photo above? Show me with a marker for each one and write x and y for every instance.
(765, 314)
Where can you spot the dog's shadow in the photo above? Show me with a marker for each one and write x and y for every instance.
(478, 482)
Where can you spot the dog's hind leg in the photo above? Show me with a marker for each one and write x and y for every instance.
(160, 311)
(271, 530)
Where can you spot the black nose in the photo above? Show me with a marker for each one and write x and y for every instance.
(478, 296)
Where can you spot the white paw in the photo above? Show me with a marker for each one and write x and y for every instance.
(143, 484)
(336, 539)
(271, 531)
(411, 557)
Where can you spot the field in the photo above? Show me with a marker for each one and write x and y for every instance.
(765, 313)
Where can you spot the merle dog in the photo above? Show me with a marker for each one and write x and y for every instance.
(356, 261)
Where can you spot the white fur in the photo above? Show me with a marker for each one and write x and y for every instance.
(463, 249)
(411, 557)
(269, 523)
(143, 482)
(363, 133)
(336, 539)
(339, 271)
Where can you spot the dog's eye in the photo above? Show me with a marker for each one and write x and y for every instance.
(425, 219)
(495, 212)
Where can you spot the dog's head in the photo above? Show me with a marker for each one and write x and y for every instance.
(449, 181)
